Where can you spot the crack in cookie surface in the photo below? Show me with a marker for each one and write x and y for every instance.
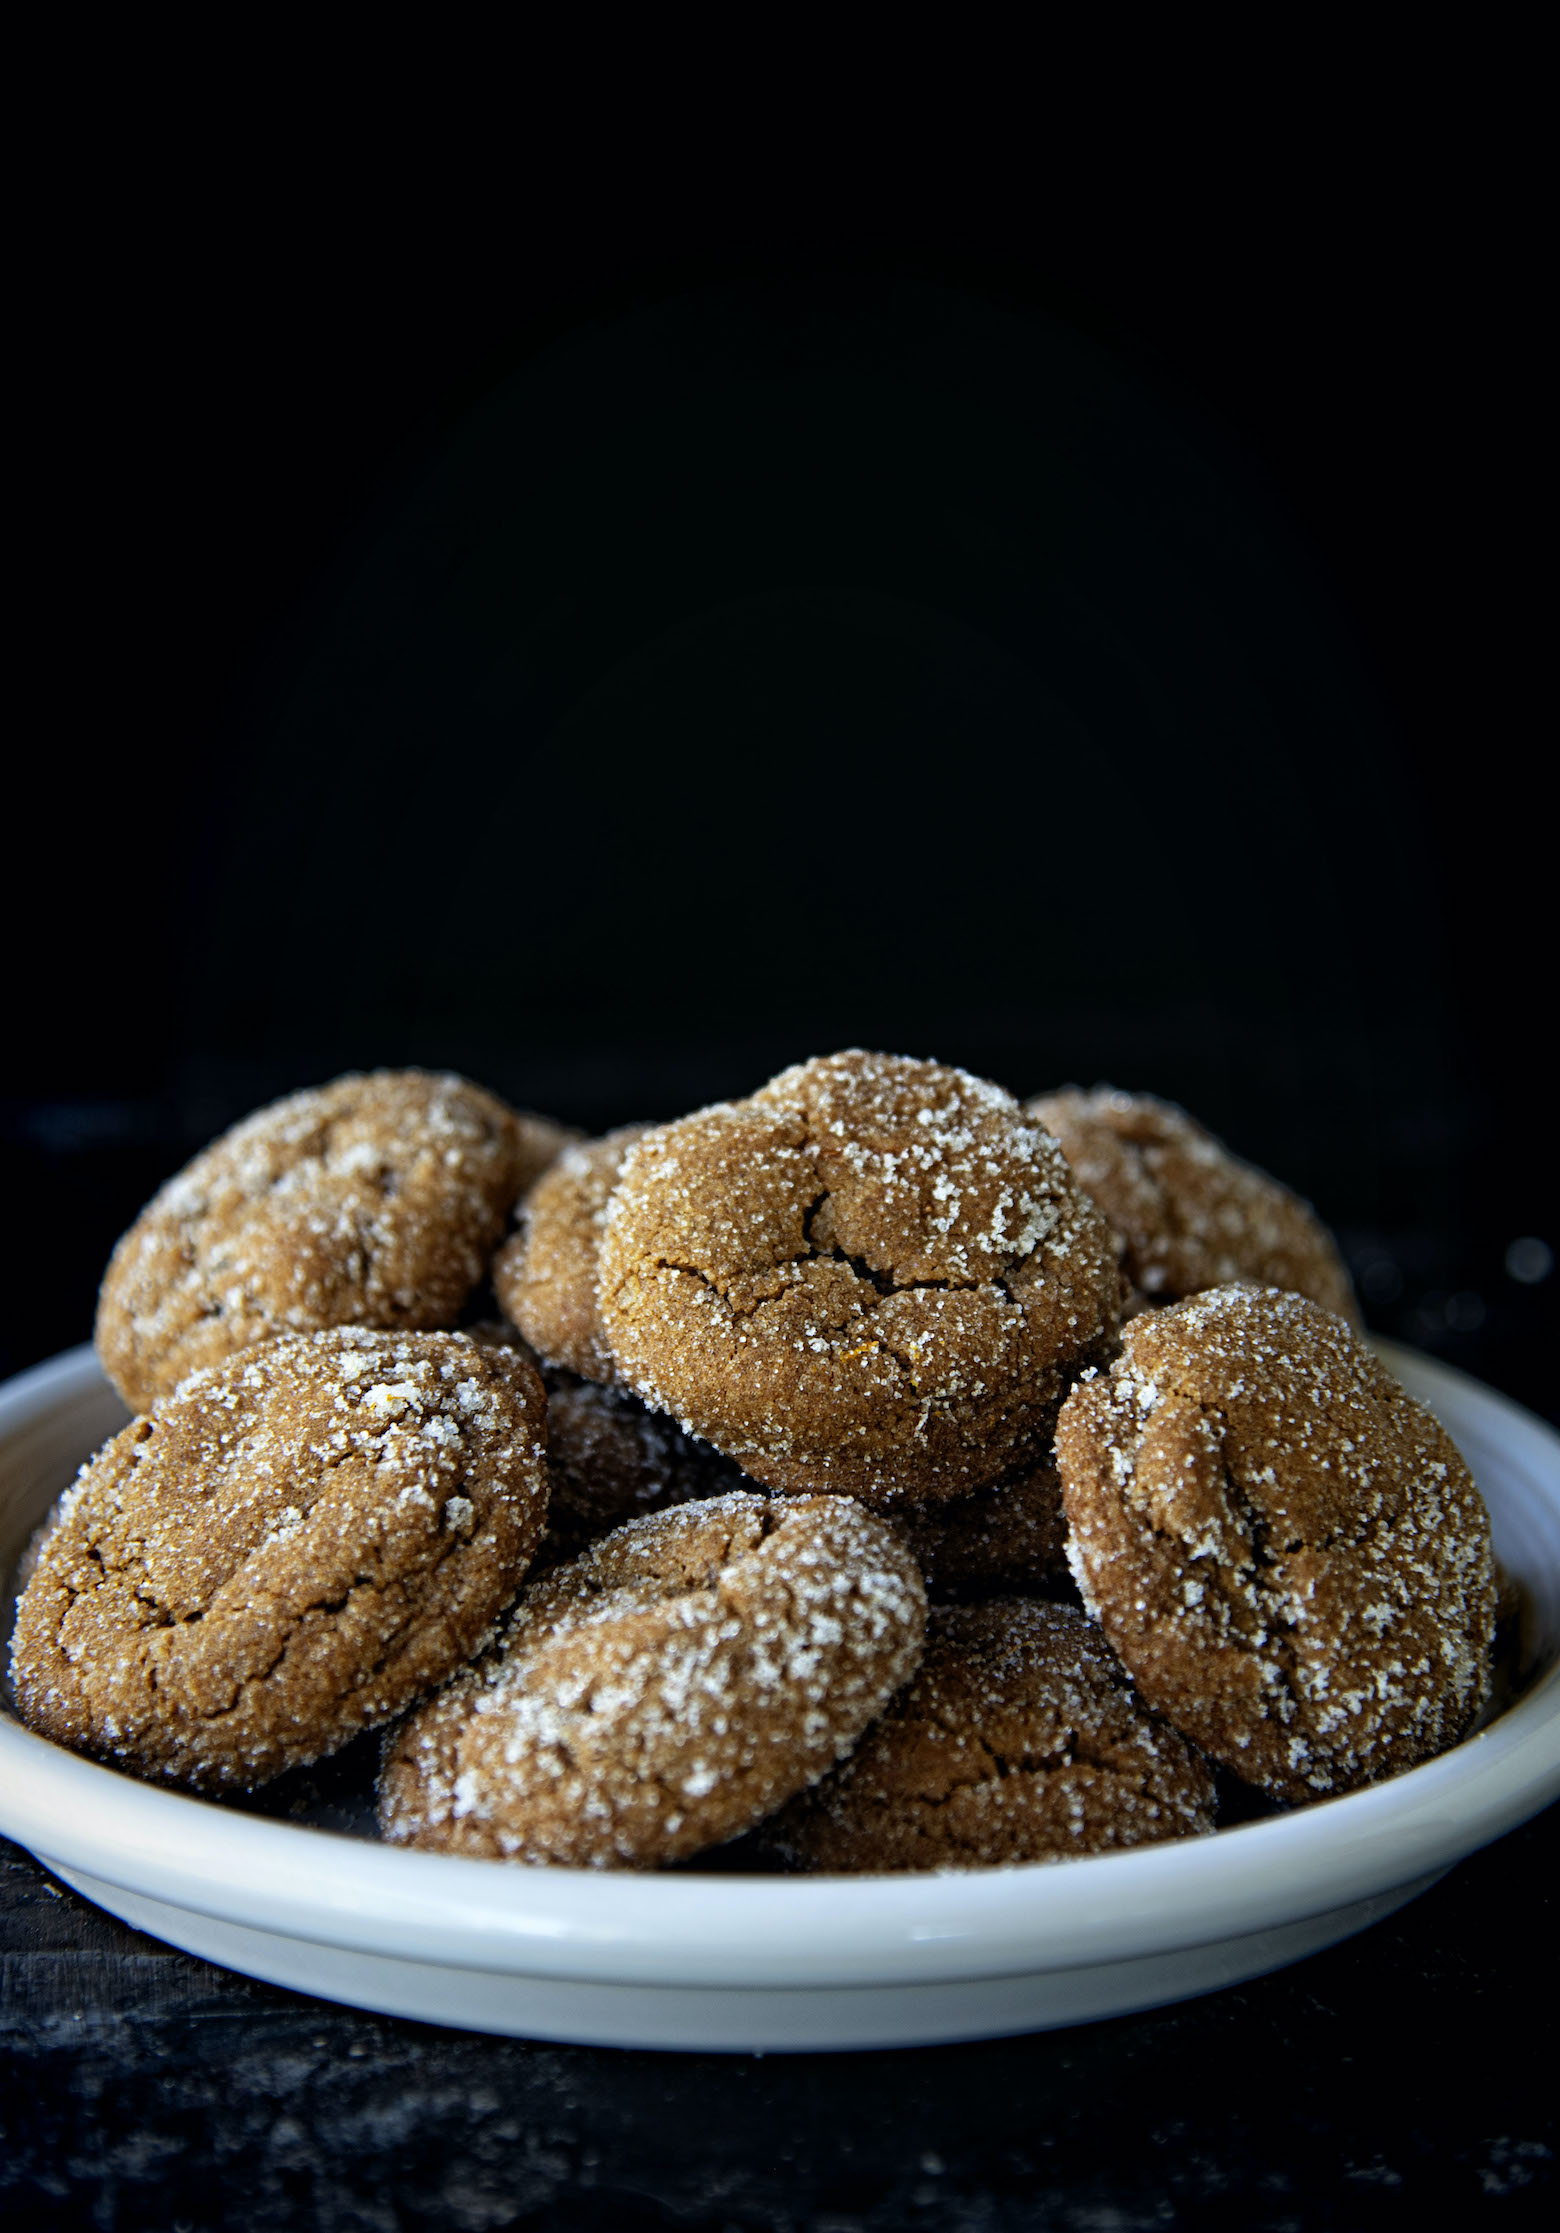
(1019, 1739)
(295, 1544)
(1287, 1551)
(667, 1690)
(873, 1276)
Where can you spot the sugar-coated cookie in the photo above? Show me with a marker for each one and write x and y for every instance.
(1190, 1215)
(374, 1201)
(1019, 1739)
(610, 1458)
(1285, 1549)
(545, 1275)
(288, 1550)
(876, 1276)
(1006, 1541)
(667, 1690)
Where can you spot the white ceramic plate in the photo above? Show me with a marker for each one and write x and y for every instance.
(745, 1962)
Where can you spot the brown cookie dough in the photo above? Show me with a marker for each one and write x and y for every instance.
(374, 1201)
(1518, 1649)
(288, 1550)
(667, 1691)
(609, 1457)
(874, 1277)
(1018, 1740)
(541, 1141)
(1008, 1540)
(1190, 1214)
(32, 1550)
(545, 1275)
(1285, 1549)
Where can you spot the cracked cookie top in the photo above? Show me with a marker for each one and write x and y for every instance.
(1189, 1214)
(545, 1276)
(373, 1201)
(288, 1550)
(875, 1276)
(1285, 1549)
(666, 1691)
(1019, 1739)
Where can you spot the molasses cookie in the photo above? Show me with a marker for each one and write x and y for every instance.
(542, 1141)
(1518, 1649)
(1006, 1541)
(609, 1457)
(1285, 1549)
(1019, 1739)
(875, 1276)
(291, 1548)
(374, 1201)
(545, 1276)
(666, 1691)
(1190, 1214)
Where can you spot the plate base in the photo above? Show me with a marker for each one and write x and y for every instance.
(735, 2020)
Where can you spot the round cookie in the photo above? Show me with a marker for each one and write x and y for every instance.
(666, 1691)
(1285, 1549)
(1008, 1540)
(1019, 1739)
(374, 1201)
(1190, 1215)
(545, 1275)
(609, 1457)
(542, 1140)
(874, 1276)
(288, 1550)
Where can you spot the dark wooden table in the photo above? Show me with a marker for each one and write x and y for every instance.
(1400, 2079)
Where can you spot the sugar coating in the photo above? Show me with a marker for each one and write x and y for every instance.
(289, 1549)
(1019, 1739)
(373, 1201)
(545, 1277)
(874, 1276)
(1007, 1540)
(1285, 1549)
(667, 1690)
(1190, 1215)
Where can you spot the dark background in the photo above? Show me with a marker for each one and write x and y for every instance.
(622, 650)
(618, 643)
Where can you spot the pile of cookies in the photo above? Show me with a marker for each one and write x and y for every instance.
(876, 1469)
